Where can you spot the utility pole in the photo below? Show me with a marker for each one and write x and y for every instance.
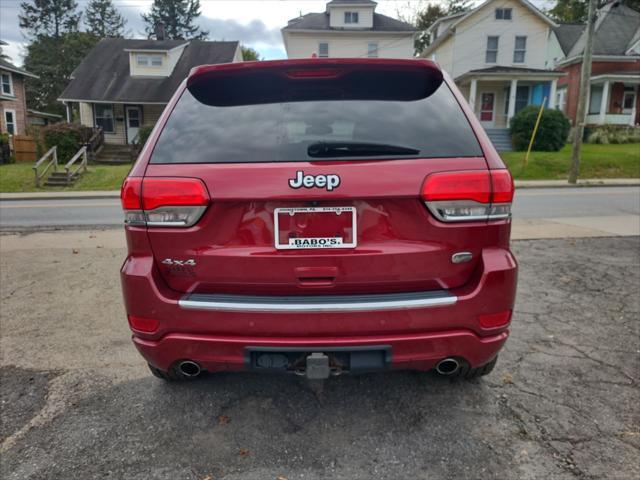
(583, 94)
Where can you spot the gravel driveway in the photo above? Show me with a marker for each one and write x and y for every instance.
(563, 402)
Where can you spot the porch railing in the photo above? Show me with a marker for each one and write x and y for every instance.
(82, 165)
(49, 159)
(95, 142)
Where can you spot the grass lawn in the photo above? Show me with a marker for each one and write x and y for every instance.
(19, 177)
(598, 161)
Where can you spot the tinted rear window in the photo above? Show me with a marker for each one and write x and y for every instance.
(282, 131)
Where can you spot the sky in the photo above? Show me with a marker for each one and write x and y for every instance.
(255, 23)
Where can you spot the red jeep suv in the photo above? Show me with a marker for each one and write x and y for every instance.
(318, 217)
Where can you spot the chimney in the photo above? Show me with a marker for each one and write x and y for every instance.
(160, 31)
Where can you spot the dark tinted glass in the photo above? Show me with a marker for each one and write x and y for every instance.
(282, 132)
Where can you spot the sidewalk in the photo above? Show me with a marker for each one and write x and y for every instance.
(594, 182)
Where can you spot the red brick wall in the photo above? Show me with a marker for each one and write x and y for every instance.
(572, 81)
(19, 104)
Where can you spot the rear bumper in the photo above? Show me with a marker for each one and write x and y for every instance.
(419, 334)
(415, 352)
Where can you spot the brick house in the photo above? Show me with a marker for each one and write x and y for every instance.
(614, 96)
(13, 103)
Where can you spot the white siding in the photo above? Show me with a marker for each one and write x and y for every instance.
(119, 136)
(151, 114)
(554, 51)
(365, 17)
(346, 45)
(444, 55)
(470, 38)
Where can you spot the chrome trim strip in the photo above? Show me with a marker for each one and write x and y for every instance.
(310, 306)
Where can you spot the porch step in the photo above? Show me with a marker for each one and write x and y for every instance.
(501, 139)
(59, 179)
(114, 155)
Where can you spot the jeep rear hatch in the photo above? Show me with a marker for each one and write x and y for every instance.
(256, 147)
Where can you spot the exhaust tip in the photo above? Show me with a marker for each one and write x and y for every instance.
(448, 366)
(189, 368)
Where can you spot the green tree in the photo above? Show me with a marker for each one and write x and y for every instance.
(457, 6)
(53, 60)
(424, 20)
(103, 20)
(569, 11)
(249, 54)
(177, 17)
(49, 18)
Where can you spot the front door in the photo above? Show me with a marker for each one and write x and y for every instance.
(487, 109)
(133, 123)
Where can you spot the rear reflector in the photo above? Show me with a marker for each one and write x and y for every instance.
(143, 324)
(494, 320)
(163, 202)
(469, 195)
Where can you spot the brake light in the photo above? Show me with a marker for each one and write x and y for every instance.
(163, 202)
(473, 195)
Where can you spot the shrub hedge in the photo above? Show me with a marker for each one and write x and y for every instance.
(552, 132)
(68, 137)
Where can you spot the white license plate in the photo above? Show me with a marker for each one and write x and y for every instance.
(315, 227)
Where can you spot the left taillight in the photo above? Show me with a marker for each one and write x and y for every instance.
(163, 202)
(465, 196)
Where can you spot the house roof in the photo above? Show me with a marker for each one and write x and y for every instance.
(510, 72)
(4, 65)
(616, 28)
(160, 45)
(320, 21)
(568, 34)
(462, 16)
(104, 75)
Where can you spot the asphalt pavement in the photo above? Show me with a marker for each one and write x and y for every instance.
(78, 402)
(530, 203)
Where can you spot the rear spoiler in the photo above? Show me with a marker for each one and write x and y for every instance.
(277, 81)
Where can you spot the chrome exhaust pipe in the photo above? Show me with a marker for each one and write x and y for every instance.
(189, 369)
(448, 366)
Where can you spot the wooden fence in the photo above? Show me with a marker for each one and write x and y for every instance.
(24, 148)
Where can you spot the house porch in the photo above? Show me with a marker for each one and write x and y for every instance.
(614, 100)
(119, 121)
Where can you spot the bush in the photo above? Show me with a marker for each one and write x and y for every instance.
(143, 135)
(614, 134)
(68, 137)
(552, 131)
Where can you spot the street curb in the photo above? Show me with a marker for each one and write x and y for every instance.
(92, 195)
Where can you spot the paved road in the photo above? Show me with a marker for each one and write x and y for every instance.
(529, 204)
(78, 402)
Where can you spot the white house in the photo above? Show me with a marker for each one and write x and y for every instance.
(348, 28)
(498, 55)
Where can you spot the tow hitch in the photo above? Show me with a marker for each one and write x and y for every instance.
(318, 366)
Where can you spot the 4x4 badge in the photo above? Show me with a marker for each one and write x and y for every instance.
(318, 181)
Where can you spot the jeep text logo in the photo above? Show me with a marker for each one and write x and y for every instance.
(309, 181)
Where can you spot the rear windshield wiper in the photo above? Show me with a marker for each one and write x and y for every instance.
(356, 149)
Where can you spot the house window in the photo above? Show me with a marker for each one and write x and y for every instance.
(7, 84)
(10, 121)
(595, 100)
(104, 117)
(149, 60)
(372, 50)
(503, 14)
(522, 98)
(561, 99)
(520, 50)
(323, 49)
(350, 17)
(492, 50)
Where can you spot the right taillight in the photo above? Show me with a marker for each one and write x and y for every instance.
(473, 195)
(163, 202)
